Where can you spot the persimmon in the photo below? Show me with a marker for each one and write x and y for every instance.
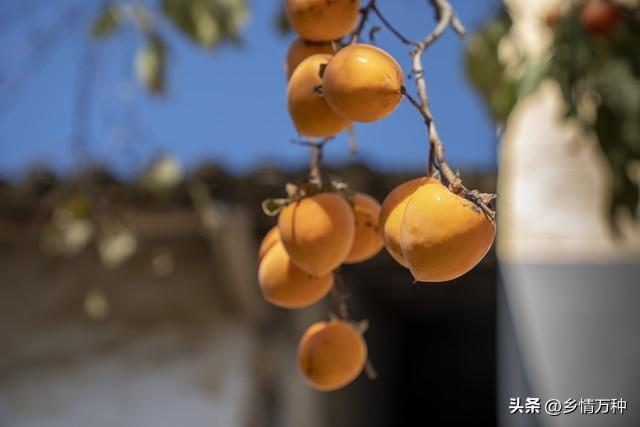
(284, 284)
(443, 235)
(309, 111)
(331, 355)
(322, 20)
(318, 232)
(270, 239)
(392, 213)
(600, 16)
(367, 241)
(301, 49)
(363, 83)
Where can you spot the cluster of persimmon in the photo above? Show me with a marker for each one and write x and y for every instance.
(437, 234)
(298, 257)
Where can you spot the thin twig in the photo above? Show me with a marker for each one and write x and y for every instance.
(364, 16)
(390, 27)
(353, 143)
(315, 168)
(340, 294)
(370, 370)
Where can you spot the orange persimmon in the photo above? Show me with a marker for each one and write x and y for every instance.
(363, 83)
(368, 240)
(443, 235)
(331, 355)
(309, 111)
(318, 232)
(285, 285)
(322, 20)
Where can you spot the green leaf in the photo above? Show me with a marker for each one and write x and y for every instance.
(206, 26)
(485, 70)
(206, 22)
(180, 15)
(533, 76)
(281, 22)
(150, 65)
(231, 16)
(107, 21)
(624, 193)
(272, 207)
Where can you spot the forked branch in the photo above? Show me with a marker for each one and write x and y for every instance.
(446, 17)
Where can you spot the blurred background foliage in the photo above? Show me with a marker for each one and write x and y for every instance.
(206, 23)
(595, 60)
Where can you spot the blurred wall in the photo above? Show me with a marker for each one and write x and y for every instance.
(174, 336)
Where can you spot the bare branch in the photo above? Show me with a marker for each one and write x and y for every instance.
(446, 18)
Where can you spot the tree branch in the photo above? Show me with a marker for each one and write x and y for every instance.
(446, 18)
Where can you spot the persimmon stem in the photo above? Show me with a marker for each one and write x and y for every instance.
(315, 168)
(370, 370)
(340, 294)
(353, 143)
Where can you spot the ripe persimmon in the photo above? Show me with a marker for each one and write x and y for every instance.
(318, 232)
(331, 355)
(368, 240)
(284, 284)
(270, 239)
(322, 20)
(443, 235)
(392, 213)
(600, 16)
(363, 83)
(301, 49)
(309, 111)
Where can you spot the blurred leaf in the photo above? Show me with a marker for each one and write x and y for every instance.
(624, 193)
(116, 246)
(231, 16)
(485, 70)
(194, 19)
(207, 29)
(206, 22)
(150, 65)
(78, 205)
(96, 304)
(67, 234)
(164, 174)
(532, 77)
(107, 21)
(281, 21)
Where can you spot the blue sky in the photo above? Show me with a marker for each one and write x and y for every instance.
(228, 105)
